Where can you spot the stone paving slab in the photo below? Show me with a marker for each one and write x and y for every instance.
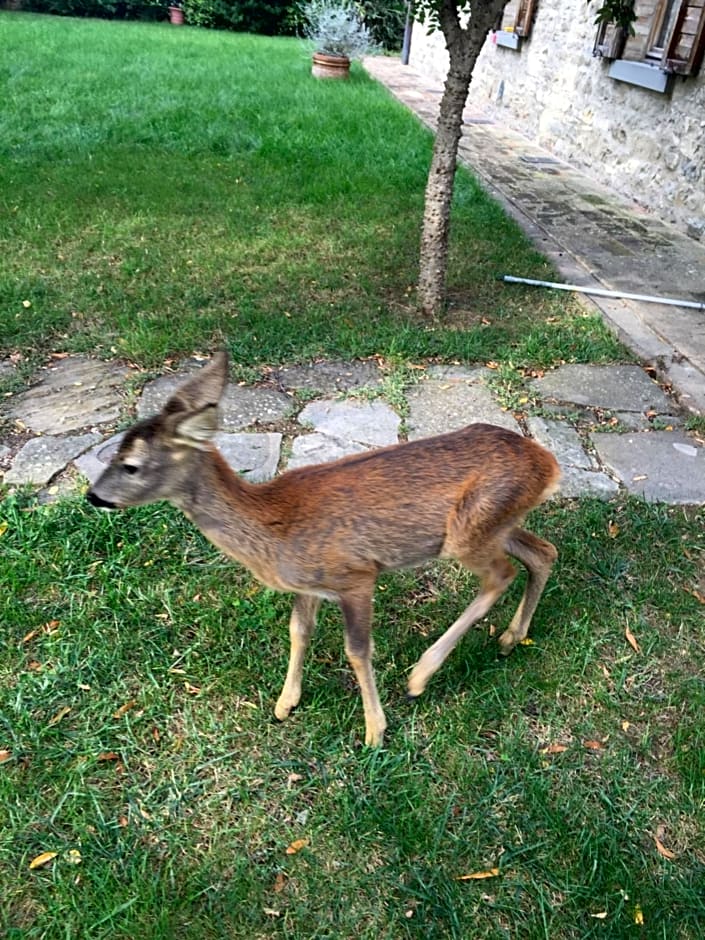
(617, 388)
(658, 465)
(94, 461)
(439, 406)
(580, 471)
(255, 456)
(456, 373)
(314, 448)
(7, 369)
(72, 394)
(42, 458)
(563, 441)
(240, 406)
(327, 378)
(371, 423)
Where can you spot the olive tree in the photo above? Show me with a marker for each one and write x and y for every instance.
(465, 26)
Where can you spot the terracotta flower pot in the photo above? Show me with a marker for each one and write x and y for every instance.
(176, 16)
(330, 66)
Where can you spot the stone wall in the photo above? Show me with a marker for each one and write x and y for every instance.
(648, 146)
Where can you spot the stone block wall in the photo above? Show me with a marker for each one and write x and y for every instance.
(647, 146)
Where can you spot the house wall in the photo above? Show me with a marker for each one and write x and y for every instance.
(648, 146)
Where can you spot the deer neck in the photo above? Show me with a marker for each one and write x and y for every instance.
(226, 509)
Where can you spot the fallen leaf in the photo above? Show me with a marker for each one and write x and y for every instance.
(125, 708)
(280, 882)
(555, 749)
(296, 846)
(479, 875)
(662, 850)
(638, 916)
(49, 628)
(492, 364)
(696, 594)
(5, 755)
(631, 639)
(527, 641)
(108, 755)
(592, 745)
(613, 531)
(73, 857)
(62, 713)
(293, 778)
(42, 859)
(626, 725)
(123, 822)
(191, 689)
(4, 526)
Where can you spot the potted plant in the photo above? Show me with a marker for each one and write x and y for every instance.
(338, 34)
(176, 13)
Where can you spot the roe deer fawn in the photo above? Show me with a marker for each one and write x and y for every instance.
(327, 531)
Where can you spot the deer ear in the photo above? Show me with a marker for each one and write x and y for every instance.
(201, 391)
(195, 429)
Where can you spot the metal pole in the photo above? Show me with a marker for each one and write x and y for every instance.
(406, 45)
(600, 292)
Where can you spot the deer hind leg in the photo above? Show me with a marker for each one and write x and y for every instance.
(496, 574)
(301, 626)
(357, 612)
(538, 557)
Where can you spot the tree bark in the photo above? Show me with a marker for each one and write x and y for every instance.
(464, 45)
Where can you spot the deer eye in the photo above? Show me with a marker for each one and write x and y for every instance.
(130, 468)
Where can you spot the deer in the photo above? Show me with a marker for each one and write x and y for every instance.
(327, 531)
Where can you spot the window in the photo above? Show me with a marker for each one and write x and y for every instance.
(668, 35)
(515, 23)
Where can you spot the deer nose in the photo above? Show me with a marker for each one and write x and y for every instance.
(96, 500)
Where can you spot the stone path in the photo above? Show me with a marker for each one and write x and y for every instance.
(611, 428)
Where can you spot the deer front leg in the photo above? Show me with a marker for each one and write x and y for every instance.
(357, 611)
(301, 626)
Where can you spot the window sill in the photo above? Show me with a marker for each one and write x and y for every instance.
(641, 74)
(508, 40)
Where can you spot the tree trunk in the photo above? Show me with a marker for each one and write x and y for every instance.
(464, 45)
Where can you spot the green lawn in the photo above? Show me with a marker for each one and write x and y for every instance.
(136, 693)
(166, 191)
